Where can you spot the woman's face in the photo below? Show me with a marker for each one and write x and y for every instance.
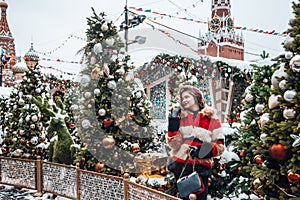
(188, 101)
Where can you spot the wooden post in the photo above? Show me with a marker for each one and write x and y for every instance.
(77, 181)
(39, 186)
(125, 181)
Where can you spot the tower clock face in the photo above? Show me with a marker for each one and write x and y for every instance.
(215, 24)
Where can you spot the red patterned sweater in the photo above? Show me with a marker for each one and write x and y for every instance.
(200, 130)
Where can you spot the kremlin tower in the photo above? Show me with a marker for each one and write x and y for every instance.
(8, 58)
(221, 40)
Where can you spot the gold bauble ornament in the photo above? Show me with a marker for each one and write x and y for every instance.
(192, 197)
(108, 142)
(98, 167)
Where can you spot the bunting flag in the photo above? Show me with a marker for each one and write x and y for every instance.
(60, 60)
(61, 45)
(166, 15)
(273, 32)
(173, 38)
(62, 72)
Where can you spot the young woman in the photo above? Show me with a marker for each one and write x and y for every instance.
(195, 133)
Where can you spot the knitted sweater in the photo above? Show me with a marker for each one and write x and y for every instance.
(196, 130)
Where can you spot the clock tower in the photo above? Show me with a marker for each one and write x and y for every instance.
(221, 40)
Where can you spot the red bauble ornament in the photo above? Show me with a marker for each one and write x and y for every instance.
(239, 170)
(293, 177)
(243, 153)
(238, 115)
(107, 123)
(72, 125)
(258, 159)
(278, 152)
(244, 127)
(135, 148)
(3, 150)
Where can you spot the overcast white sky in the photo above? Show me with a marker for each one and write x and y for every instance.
(49, 22)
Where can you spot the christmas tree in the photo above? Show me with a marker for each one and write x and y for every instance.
(235, 174)
(277, 175)
(24, 124)
(114, 113)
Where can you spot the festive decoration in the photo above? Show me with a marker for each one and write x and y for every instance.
(297, 140)
(273, 32)
(278, 152)
(108, 142)
(280, 73)
(289, 95)
(273, 101)
(289, 113)
(293, 177)
(295, 63)
(258, 159)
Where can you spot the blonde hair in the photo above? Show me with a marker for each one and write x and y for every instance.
(195, 92)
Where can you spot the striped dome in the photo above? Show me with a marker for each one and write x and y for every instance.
(31, 55)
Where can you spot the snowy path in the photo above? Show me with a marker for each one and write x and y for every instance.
(13, 193)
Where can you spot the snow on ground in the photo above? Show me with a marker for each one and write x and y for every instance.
(11, 192)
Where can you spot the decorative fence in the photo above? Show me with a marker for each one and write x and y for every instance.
(72, 182)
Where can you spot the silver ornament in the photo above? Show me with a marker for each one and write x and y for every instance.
(110, 41)
(295, 63)
(34, 118)
(104, 27)
(263, 136)
(85, 124)
(259, 108)
(289, 95)
(249, 98)
(278, 74)
(87, 95)
(96, 91)
(98, 48)
(112, 85)
(289, 113)
(282, 84)
(102, 112)
(288, 55)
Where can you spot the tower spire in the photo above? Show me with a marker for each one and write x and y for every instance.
(5, 35)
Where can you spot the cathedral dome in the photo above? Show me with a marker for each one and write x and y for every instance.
(3, 4)
(31, 55)
(19, 67)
